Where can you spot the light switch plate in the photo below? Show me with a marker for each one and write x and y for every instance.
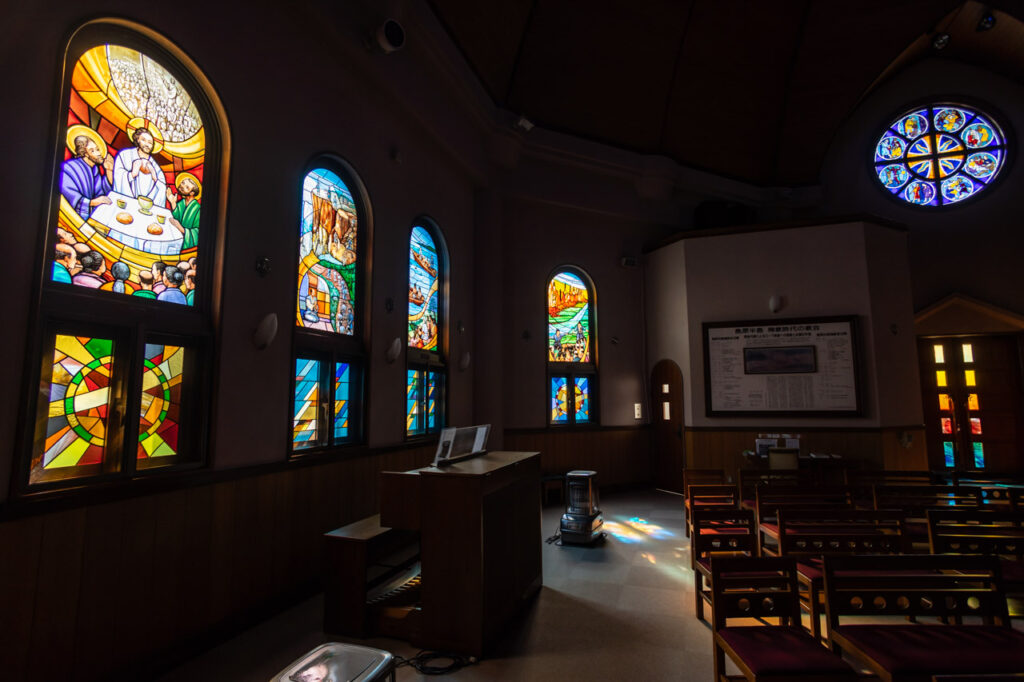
(636, 411)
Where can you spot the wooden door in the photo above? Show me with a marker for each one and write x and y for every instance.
(971, 393)
(667, 423)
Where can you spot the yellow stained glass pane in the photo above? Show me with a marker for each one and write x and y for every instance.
(944, 402)
(969, 377)
(940, 378)
(940, 357)
(968, 353)
(972, 401)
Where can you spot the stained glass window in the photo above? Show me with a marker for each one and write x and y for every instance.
(568, 319)
(944, 402)
(939, 354)
(424, 270)
(975, 426)
(342, 388)
(327, 254)
(969, 378)
(76, 426)
(433, 393)
(559, 400)
(968, 351)
(949, 458)
(160, 412)
(582, 400)
(979, 455)
(972, 401)
(940, 154)
(305, 422)
(413, 402)
(940, 378)
(131, 179)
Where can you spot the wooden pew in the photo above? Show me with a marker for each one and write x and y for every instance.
(876, 477)
(916, 500)
(698, 477)
(769, 499)
(891, 588)
(717, 532)
(710, 497)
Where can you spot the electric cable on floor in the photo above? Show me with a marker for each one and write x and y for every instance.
(424, 662)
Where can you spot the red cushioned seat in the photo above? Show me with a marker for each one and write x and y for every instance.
(932, 649)
(810, 570)
(1013, 571)
(783, 651)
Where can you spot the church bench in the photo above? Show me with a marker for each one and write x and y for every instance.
(717, 532)
(721, 496)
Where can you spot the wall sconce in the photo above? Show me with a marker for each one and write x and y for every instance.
(263, 266)
(394, 350)
(265, 331)
(464, 360)
(776, 302)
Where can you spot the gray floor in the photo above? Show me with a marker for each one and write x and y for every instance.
(619, 611)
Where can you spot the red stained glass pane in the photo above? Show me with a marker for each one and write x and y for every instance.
(975, 426)
(947, 425)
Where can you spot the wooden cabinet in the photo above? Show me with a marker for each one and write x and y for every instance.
(480, 544)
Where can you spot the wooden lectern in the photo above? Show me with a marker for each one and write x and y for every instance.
(480, 544)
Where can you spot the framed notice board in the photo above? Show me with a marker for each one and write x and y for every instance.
(798, 367)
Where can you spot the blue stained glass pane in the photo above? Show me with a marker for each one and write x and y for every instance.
(432, 394)
(979, 135)
(424, 269)
(893, 176)
(559, 400)
(305, 425)
(582, 400)
(957, 188)
(979, 455)
(413, 415)
(950, 119)
(918, 192)
(913, 125)
(982, 165)
(342, 383)
(948, 455)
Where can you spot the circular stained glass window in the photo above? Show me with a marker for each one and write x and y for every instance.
(940, 154)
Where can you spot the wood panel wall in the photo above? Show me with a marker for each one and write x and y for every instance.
(866, 448)
(620, 456)
(112, 590)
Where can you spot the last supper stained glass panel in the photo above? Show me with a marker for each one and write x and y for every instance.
(131, 180)
(327, 254)
(940, 154)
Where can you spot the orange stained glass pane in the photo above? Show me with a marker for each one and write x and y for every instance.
(969, 377)
(972, 401)
(968, 353)
(975, 426)
(944, 402)
(947, 425)
(940, 378)
(940, 356)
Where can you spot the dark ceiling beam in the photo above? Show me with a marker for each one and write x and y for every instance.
(776, 163)
(519, 56)
(675, 74)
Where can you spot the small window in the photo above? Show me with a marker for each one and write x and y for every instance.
(572, 369)
(426, 358)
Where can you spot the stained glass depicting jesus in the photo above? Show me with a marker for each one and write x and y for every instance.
(131, 179)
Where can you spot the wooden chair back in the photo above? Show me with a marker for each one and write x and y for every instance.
(976, 532)
(769, 499)
(875, 477)
(754, 587)
(916, 500)
(722, 531)
(839, 531)
(723, 496)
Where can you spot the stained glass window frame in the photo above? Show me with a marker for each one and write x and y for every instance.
(1005, 145)
(332, 347)
(425, 361)
(573, 371)
(80, 311)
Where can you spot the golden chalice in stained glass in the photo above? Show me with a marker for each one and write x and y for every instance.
(145, 204)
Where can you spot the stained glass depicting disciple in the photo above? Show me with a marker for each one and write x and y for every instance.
(131, 179)
(568, 319)
(327, 254)
(160, 413)
(76, 424)
(942, 165)
(423, 290)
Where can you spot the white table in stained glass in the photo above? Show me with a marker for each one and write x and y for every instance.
(139, 232)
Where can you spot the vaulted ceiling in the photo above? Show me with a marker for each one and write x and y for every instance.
(754, 90)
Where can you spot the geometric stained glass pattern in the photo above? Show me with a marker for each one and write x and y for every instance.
(327, 254)
(130, 181)
(568, 319)
(160, 413)
(342, 384)
(423, 294)
(582, 400)
(305, 424)
(79, 400)
(940, 154)
(559, 400)
(413, 402)
(432, 396)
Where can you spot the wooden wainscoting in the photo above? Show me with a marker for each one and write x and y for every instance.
(117, 590)
(621, 456)
(710, 448)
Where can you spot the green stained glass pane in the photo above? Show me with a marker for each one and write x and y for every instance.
(74, 427)
(342, 387)
(305, 414)
(327, 254)
(568, 319)
(948, 454)
(126, 107)
(979, 455)
(160, 411)
(424, 280)
(433, 393)
(582, 400)
(413, 402)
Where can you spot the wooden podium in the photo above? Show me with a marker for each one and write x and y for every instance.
(480, 544)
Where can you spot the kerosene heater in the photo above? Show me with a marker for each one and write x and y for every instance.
(582, 521)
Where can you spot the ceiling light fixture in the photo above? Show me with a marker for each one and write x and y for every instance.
(940, 41)
(987, 21)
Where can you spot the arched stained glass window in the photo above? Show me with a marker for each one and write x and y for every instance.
(940, 154)
(425, 375)
(131, 179)
(328, 234)
(329, 356)
(568, 319)
(123, 331)
(572, 371)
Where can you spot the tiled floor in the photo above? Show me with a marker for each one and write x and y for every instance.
(622, 610)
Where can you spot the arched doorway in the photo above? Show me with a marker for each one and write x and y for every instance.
(667, 426)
